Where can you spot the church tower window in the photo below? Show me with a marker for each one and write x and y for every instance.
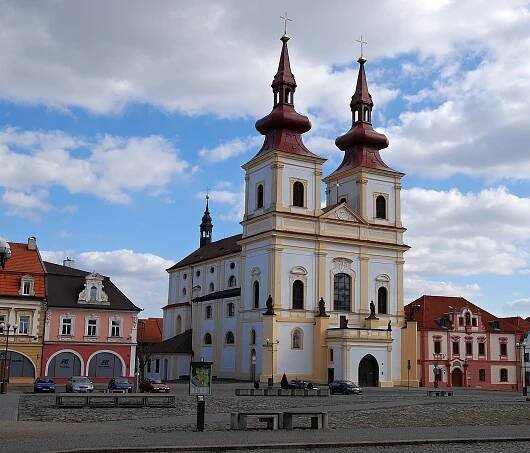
(382, 300)
(256, 294)
(229, 338)
(232, 281)
(259, 196)
(252, 336)
(380, 207)
(179, 324)
(211, 287)
(342, 292)
(207, 338)
(298, 194)
(298, 295)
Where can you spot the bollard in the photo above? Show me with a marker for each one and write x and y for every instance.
(201, 405)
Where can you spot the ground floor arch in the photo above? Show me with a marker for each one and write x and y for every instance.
(105, 364)
(16, 365)
(457, 378)
(368, 371)
(64, 364)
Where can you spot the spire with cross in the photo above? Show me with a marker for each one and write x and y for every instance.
(362, 43)
(285, 19)
(206, 226)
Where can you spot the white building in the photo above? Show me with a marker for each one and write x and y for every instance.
(296, 252)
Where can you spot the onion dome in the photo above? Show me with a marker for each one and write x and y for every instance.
(362, 143)
(206, 226)
(283, 126)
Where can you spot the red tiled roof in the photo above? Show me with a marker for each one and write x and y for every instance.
(22, 262)
(150, 330)
(522, 325)
(428, 310)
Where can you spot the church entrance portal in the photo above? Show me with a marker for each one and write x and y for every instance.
(368, 372)
(456, 377)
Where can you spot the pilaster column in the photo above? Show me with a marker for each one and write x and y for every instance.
(397, 197)
(317, 181)
(362, 197)
(246, 197)
(277, 186)
(365, 285)
(399, 283)
(320, 349)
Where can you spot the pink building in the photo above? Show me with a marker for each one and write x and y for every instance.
(90, 327)
(466, 346)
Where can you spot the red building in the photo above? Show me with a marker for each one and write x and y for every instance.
(462, 345)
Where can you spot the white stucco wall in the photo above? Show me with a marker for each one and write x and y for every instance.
(294, 361)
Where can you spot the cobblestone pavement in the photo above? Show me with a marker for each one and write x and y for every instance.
(378, 414)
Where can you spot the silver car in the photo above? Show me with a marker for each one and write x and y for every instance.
(79, 384)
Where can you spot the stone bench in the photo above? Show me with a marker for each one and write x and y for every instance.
(114, 400)
(440, 393)
(282, 392)
(239, 420)
(319, 420)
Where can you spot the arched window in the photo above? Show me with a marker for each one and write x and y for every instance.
(183, 291)
(232, 281)
(342, 292)
(297, 339)
(275, 98)
(259, 196)
(287, 92)
(366, 114)
(382, 300)
(179, 324)
(207, 338)
(355, 116)
(256, 294)
(229, 338)
(380, 207)
(211, 287)
(93, 293)
(230, 309)
(252, 336)
(298, 295)
(298, 194)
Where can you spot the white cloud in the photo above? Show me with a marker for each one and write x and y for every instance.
(231, 148)
(455, 233)
(140, 276)
(416, 286)
(110, 167)
(233, 199)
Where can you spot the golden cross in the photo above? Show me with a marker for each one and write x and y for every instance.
(285, 19)
(362, 43)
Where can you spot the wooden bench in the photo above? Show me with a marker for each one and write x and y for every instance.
(239, 420)
(113, 400)
(319, 420)
(440, 393)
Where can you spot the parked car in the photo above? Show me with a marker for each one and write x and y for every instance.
(344, 387)
(44, 384)
(120, 383)
(153, 386)
(300, 384)
(79, 384)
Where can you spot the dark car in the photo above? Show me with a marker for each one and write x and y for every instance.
(299, 384)
(120, 384)
(153, 386)
(344, 387)
(44, 384)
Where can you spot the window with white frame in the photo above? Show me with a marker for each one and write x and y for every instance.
(92, 327)
(23, 324)
(115, 328)
(66, 326)
(26, 286)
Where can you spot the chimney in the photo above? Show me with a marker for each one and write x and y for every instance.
(32, 243)
(68, 262)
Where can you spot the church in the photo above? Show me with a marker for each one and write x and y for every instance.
(310, 289)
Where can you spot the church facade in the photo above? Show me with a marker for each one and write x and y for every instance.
(311, 289)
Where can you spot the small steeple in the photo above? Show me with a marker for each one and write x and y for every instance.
(206, 225)
(284, 125)
(362, 143)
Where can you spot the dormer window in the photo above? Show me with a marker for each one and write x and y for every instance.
(26, 286)
(93, 294)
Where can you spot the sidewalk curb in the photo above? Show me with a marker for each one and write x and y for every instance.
(290, 446)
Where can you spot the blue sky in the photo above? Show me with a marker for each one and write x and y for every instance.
(111, 130)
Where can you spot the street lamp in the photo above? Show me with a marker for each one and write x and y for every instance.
(522, 345)
(6, 328)
(5, 252)
(270, 344)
